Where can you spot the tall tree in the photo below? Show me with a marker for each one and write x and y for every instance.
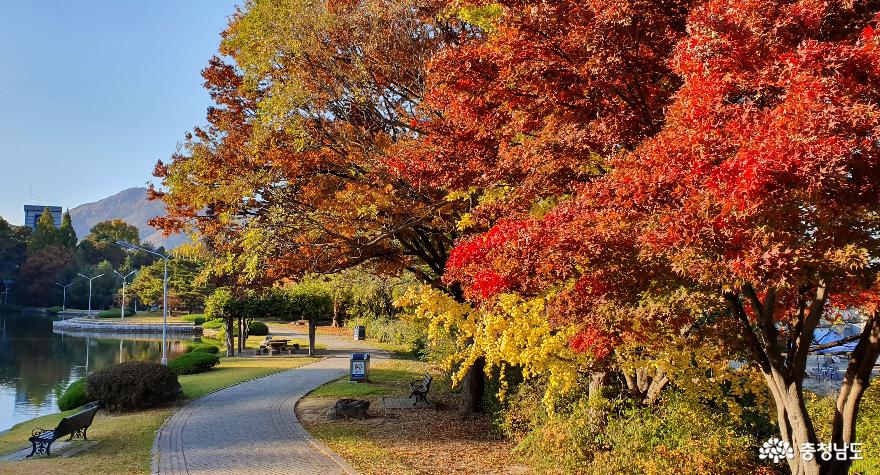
(45, 233)
(758, 193)
(13, 248)
(295, 156)
(67, 233)
(292, 175)
(100, 244)
(185, 289)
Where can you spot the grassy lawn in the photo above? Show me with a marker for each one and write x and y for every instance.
(385, 378)
(234, 370)
(421, 441)
(126, 440)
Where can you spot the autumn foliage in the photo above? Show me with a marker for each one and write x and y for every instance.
(620, 179)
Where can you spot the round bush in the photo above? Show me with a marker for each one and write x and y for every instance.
(202, 348)
(133, 385)
(74, 396)
(258, 329)
(193, 363)
(53, 310)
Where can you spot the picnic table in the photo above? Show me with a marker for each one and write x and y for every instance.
(276, 346)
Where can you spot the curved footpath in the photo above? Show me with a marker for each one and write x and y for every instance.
(251, 427)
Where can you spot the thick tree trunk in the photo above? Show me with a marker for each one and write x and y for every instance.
(784, 375)
(794, 422)
(855, 382)
(312, 336)
(336, 314)
(598, 380)
(472, 387)
(230, 334)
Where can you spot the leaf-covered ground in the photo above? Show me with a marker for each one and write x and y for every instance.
(398, 442)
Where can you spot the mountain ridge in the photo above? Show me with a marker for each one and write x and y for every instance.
(130, 205)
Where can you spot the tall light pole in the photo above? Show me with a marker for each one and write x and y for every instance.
(64, 298)
(6, 284)
(122, 311)
(131, 247)
(90, 279)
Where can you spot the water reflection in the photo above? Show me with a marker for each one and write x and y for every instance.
(36, 365)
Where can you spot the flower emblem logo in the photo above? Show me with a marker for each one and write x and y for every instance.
(776, 449)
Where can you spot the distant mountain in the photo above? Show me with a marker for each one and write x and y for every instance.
(131, 206)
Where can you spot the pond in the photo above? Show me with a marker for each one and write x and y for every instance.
(37, 364)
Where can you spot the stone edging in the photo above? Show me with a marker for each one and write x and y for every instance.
(78, 324)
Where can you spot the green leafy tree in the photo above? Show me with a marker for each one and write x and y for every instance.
(67, 235)
(359, 293)
(45, 233)
(223, 305)
(104, 288)
(100, 244)
(185, 289)
(114, 230)
(13, 249)
(40, 271)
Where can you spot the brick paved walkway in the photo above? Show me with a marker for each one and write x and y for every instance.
(250, 428)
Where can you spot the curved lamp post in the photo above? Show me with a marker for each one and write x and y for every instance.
(122, 310)
(131, 247)
(90, 279)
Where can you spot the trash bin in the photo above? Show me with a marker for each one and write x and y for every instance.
(360, 366)
(360, 332)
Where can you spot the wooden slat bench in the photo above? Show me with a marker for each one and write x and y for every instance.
(75, 426)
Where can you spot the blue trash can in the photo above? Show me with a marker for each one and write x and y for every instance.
(359, 367)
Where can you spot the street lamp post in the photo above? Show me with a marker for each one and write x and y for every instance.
(122, 311)
(131, 247)
(64, 298)
(6, 284)
(90, 279)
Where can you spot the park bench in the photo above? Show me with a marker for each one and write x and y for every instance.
(75, 426)
(419, 389)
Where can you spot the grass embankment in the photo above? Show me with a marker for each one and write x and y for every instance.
(149, 317)
(413, 441)
(126, 440)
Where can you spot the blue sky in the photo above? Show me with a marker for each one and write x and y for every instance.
(92, 93)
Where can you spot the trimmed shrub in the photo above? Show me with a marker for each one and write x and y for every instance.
(202, 348)
(258, 329)
(213, 324)
(133, 385)
(114, 313)
(53, 310)
(74, 396)
(194, 318)
(193, 363)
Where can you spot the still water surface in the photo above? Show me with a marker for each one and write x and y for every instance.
(36, 364)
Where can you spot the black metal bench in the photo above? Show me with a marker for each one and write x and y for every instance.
(419, 389)
(75, 426)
